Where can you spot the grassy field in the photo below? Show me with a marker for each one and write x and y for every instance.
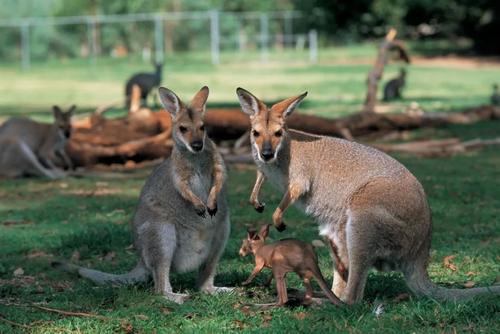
(336, 84)
(87, 219)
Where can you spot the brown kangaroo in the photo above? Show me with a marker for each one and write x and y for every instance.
(371, 209)
(284, 256)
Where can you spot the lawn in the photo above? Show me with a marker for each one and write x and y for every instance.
(336, 84)
(87, 219)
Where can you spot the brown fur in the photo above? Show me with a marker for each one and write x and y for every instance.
(372, 210)
(284, 256)
(172, 231)
(35, 149)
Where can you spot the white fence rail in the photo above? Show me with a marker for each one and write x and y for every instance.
(25, 25)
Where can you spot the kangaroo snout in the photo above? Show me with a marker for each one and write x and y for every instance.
(197, 145)
(267, 152)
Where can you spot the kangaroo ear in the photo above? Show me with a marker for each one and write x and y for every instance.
(251, 233)
(70, 110)
(264, 231)
(286, 107)
(249, 103)
(57, 112)
(199, 100)
(169, 100)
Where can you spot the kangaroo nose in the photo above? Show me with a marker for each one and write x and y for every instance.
(267, 155)
(197, 145)
(267, 151)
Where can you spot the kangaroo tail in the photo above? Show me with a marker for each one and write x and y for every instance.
(136, 275)
(418, 281)
(324, 286)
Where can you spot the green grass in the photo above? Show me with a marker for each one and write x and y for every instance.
(336, 84)
(91, 215)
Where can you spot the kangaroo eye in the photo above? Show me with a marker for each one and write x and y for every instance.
(255, 133)
(278, 133)
(202, 128)
(182, 129)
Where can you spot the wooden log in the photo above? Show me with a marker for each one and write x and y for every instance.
(145, 135)
(438, 148)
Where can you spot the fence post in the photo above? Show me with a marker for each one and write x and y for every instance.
(288, 25)
(264, 36)
(159, 54)
(25, 46)
(92, 40)
(215, 37)
(313, 46)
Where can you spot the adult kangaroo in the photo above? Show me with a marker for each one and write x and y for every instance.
(371, 209)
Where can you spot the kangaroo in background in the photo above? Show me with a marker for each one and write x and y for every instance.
(172, 230)
(393, 88)
(284, 256)
(495, 96)
(146, 82)
(370, 208)
(32, 148)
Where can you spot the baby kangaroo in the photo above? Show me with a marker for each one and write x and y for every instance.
(284, 256)
(371, 209)
(182, 220)
(34, 149)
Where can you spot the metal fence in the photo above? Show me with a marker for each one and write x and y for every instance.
(226, 30)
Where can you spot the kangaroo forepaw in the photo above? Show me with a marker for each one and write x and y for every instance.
(212, 211)
(259, 207)
(280, 227)
(201, 211)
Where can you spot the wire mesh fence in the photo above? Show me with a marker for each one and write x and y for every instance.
(153, 37)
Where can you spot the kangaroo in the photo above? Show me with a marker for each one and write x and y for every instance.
(392, 89)
(171, 228)
(282, 257)
(371, 209)
(145, 81)
(495, 96)
(32, 148)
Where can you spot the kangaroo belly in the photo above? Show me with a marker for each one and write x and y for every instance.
(193, 247)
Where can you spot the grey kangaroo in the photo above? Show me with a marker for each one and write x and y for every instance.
(34, 149)
(370, 208)
(393, 88)
(182, 220)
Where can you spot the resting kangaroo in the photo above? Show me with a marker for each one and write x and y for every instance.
(371, 209)
(284, 256)
(33, 148)
(182, 220)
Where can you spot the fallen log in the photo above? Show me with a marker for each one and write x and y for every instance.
(146, 135)
(438, 148)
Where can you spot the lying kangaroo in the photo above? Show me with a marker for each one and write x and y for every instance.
(282, 257)
(33, 148)
(172, 230)
(371, 209)
(392, 89)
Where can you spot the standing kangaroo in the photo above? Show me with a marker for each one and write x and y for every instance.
(370, 208)
(172, 230)
(392, 89)
(145, 81)
(32, 148)
(284, 256)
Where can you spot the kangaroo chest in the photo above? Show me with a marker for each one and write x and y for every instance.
(200, 183)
